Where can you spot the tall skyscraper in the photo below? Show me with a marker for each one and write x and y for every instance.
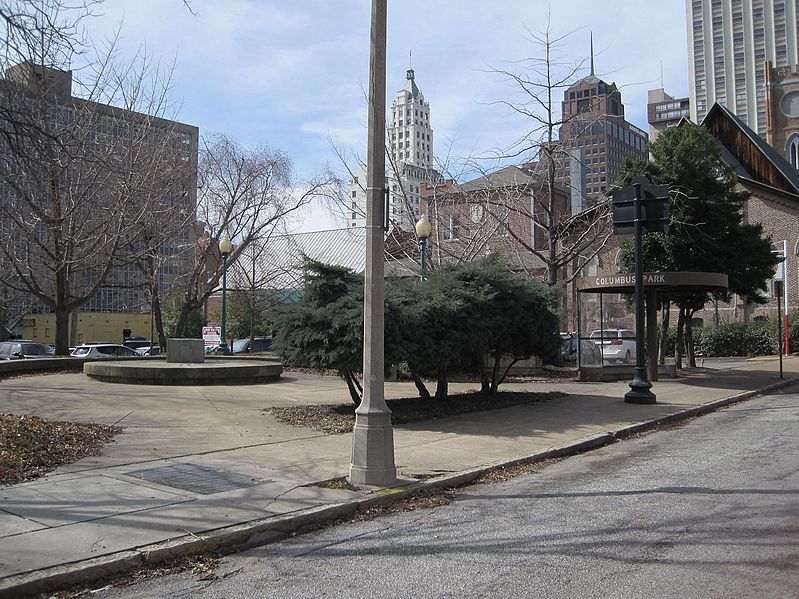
(409, 141)
(595, 139)
(729, 42)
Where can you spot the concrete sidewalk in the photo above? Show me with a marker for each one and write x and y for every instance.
(201, 467)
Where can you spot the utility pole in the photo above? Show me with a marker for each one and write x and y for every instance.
(373, 436)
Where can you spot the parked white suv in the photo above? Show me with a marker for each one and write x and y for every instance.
(103, 351)
(615, 344)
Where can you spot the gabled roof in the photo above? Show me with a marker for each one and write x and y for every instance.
(507, 177)
(748, 154)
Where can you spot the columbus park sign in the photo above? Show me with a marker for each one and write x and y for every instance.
(666, 281)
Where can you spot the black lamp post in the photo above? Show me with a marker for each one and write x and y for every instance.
(423, 230)
(225, 247)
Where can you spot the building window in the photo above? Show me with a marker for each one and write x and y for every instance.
(793, 151)
(452, 230)
(502, 222)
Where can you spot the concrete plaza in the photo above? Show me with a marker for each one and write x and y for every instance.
(196, 461)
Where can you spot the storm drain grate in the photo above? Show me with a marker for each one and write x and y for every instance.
(197, 479)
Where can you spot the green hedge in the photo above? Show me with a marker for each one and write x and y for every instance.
(793, 335)
(732, 339)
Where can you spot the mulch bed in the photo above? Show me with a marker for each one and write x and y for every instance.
(31, 446)
(339, 419)
(7, 376)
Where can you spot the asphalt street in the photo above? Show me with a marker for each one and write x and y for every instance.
(708, 509)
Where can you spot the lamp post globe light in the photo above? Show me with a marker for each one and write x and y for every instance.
(423, 230)
(225, 247)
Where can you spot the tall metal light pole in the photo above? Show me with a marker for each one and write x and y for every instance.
(225, 247)
(373, 437)
(640, 388)
(423, 230)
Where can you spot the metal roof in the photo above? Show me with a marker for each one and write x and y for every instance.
(733, 155)
(277, 262)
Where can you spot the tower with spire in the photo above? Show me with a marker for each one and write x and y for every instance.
(409, 130)
(409, 165)
(595, 138)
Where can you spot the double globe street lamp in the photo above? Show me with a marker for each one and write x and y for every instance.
(225, 248)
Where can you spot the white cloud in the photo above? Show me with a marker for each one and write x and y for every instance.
(292, 75)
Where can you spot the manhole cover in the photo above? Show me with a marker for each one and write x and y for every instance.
(197, 479)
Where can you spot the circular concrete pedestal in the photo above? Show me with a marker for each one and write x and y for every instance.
(215, 372)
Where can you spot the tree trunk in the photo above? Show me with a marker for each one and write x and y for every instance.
(505, 373)
(664, 330)
(183, 320)
(420, 386)
(689, 339)
(354, 394)
(678, 343)
(495, 376)
(158, 316)
(61, 331)
(485, 384)
(73, 327)
(441, 384)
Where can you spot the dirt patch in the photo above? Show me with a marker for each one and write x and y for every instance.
(203, 567)
(422, 500)
(339, 419)
(337, 483)
(31, 446)
(7, 376)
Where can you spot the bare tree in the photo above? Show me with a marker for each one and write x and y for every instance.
(77, 172)
(245, 194)
(260, 278)
(568, 239)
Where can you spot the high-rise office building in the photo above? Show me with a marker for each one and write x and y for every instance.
(409, 140)
(729, 42)
(95, 138)
(595, 139)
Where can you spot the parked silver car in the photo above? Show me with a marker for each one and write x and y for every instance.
(103, 351)
(616, 345)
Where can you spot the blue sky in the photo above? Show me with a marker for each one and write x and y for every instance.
(292, 75)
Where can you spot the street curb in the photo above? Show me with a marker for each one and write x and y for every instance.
(263, 531)
(628, 431)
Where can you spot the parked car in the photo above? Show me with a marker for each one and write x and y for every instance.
(589, 353)
(259, 344)
(136, 342)
(106, 350)
(21, 348)
(616, 345)
(155, 350)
